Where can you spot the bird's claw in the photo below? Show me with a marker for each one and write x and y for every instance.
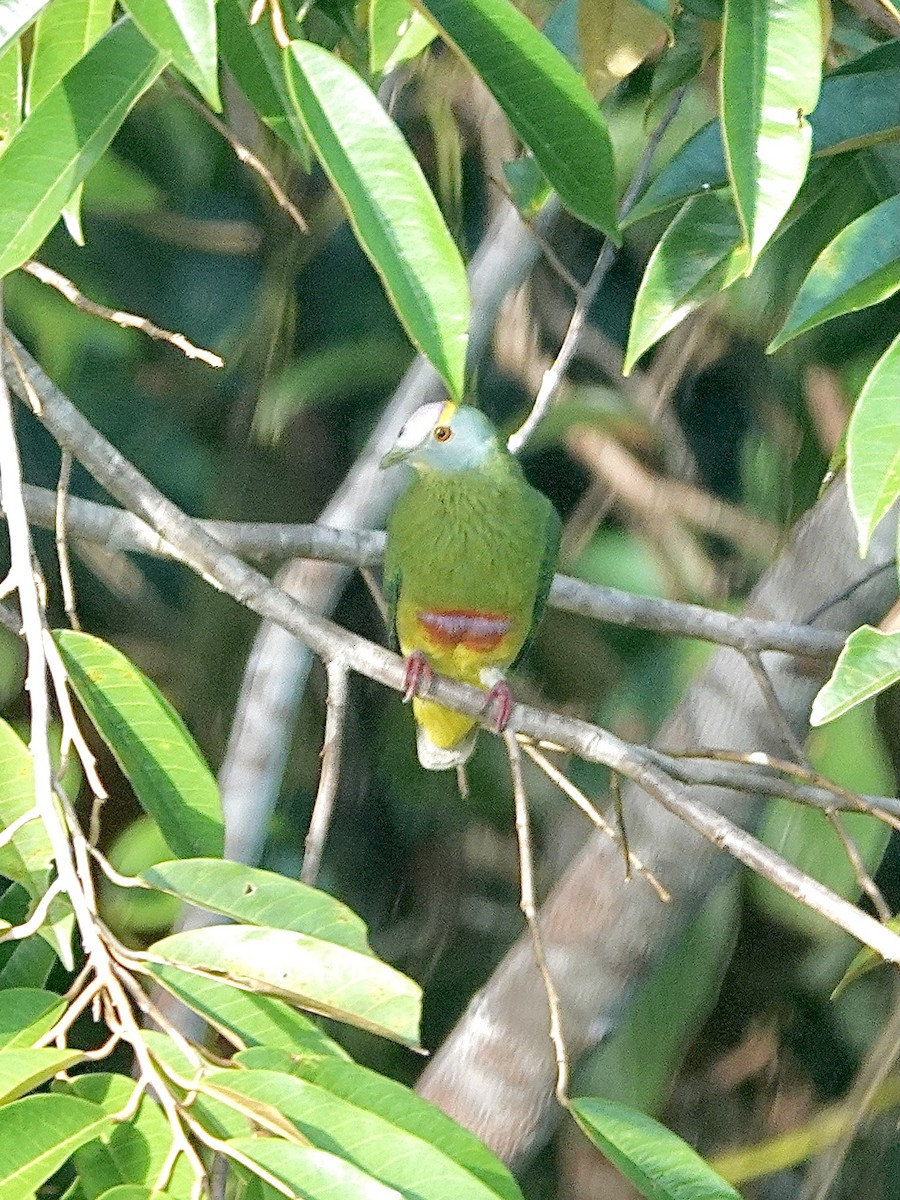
(416, 673)
(500, 699)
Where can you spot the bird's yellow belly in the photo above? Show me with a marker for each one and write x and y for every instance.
(457, 660)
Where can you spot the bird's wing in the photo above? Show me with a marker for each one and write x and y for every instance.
(546, 571)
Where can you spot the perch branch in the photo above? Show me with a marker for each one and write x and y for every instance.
(118, 529)
(330, 641)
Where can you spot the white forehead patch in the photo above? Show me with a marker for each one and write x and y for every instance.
(420, 425)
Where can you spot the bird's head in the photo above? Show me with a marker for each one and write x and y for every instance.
(444, 437)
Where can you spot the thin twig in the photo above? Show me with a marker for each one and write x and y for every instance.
(124, 319)
(776, 712)
(554, 375)
(62, 545)
(529, 910)
(276, 16)
(577, 796)
(17, 933)
(335, 719)
(742, 777)
(242, 152)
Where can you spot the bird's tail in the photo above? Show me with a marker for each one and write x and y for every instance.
(436, 758)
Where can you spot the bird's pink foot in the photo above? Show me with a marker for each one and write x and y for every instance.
(417, 673)
(500, 699)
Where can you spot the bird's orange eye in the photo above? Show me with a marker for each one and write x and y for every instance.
(443, 433)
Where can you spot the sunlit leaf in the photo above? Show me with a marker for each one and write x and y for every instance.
(63, 137)
(699, 255)
(404, 1159)
(38, 1134)
(62, 36)
(406, 1111)
(130, 1152)
(313, 1174)
(397, 32)
(320, 976)
(185, 31)
(26, 858)
(149, 741)
(257, 897)
(861, 266)
(546, 100)
(853, 110)
(868, 663)
(659, 1164)
(16, 15)
(873, 445)
(771, 74)
(26, 1014)
(22, 1070)
(252, 1019)
(389, 204)
(10, 92)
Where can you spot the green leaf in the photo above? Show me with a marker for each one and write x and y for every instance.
(16, 16)
(64, 136)
(254, 59)
(873, 445)
(149, 741)
(257, 897)
(10, 92)
(313, 1174)
(28, 965)
(863, 962)
(402, 1158)
(861, 266)
(27, 1014)
(27, 857)
(252, 1019)
(699, 255)
(135, 1191)
(130, 1152)
(23, 1070)
(320, 976)
(38, 1134)
(62, 36)
(659, 1164)
(868, 663)
(396, 33)
(771, 75)
(546, 100)
(185, 31)
(854, 110)
(389, 204)
(406, 1111)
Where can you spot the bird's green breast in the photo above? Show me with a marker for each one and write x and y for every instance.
(472, 540)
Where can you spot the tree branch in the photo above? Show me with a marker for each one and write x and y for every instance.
(117, 529)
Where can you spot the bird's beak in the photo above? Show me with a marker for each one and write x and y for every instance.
(397, 455)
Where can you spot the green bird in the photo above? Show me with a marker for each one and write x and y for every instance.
(471, 551)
